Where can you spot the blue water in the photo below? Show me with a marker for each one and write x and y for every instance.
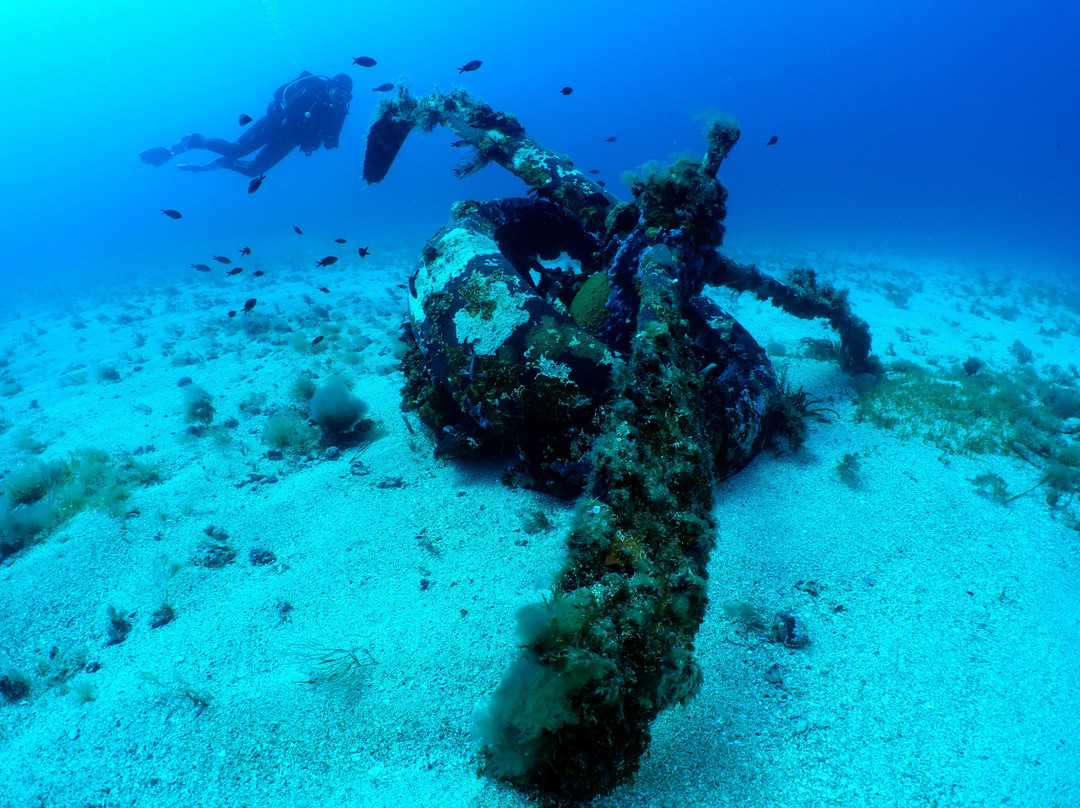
(928, 128)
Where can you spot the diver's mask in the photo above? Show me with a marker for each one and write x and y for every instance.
(339, 96)
(340, 91)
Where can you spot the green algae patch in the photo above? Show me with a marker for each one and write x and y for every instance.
(589, 306)
(962, 414)
(555, 340)
(40, 496)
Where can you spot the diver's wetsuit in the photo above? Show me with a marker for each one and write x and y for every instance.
(307, 112)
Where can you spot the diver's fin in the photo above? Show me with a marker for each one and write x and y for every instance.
(156, 156)
(195, 167)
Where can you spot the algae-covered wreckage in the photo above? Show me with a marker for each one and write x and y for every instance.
(616, 378)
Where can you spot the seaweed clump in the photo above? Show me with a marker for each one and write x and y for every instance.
(288, 431)
(41, 495)
(340, 414)
(14, 686)
(681, 195)
(198, 405)
(789, 410)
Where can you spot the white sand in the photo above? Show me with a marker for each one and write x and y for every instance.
(947, 677)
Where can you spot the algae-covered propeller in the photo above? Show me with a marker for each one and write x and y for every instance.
(571, 328)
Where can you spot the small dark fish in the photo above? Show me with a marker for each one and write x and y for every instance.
(234, 271)
(597, 199)
(299, 232)
(200, 267)
(457, 144)
(253, 186)
(364, 252)
(249, 305)
(364, 61)
(324, 289)
(172, 214)
(339, 241)
(232, 313)
(317, 340)
(593, 171)
(772, 141)
(245, 119)
(383, 88)
(469, 67)
(245, 250)
(601, 183)
(221, 259)
(258, 273)
(325, 262)
(566, 90)
(611, 139)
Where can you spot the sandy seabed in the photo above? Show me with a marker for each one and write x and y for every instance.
(344, 669)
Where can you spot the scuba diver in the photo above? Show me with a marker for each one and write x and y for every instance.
(307, 112)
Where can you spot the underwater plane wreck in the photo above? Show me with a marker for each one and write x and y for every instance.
(618, 380)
